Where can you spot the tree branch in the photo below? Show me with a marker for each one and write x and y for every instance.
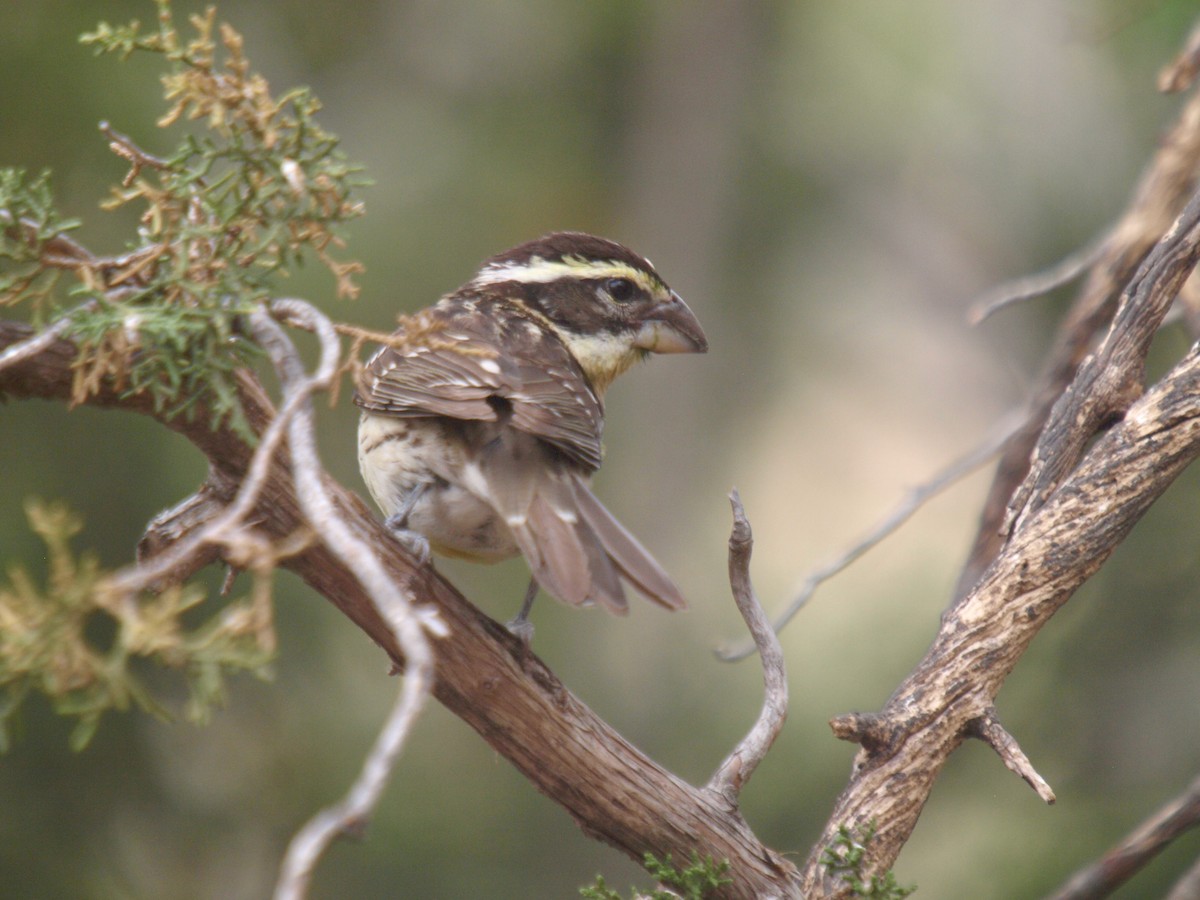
(989, 730)
(481, 672)
(1164, 188)
(1056, 549)
(1136, 850)
(1111, 378)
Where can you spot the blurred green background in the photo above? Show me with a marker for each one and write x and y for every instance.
(828, 185)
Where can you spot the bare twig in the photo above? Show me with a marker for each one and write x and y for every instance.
(735, 771)
(408, 623)
(33, 346)
(1136, 850)
(1028, 287)
(899, 514)
(124, 147)
(989, 730)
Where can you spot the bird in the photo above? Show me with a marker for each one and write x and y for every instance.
(481, 418)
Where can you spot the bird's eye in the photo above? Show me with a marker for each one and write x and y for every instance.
(620, 289)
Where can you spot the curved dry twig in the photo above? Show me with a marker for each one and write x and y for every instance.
(409, 624)
(731, 776)
(1028, 287)
(123, 146)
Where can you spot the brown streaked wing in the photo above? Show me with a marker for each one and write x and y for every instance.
(471, 357)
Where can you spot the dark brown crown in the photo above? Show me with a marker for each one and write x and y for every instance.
(559, 245)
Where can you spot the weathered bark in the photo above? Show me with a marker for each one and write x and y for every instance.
(1060, 546)
(1068, 516)
(1166, 185)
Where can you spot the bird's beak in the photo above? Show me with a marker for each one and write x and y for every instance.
(670, 327)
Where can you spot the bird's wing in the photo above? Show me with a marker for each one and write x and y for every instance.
(457, 362)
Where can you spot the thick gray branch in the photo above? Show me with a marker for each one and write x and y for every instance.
(1059, 546)
(1163, 190)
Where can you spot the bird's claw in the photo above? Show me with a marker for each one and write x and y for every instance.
(414, 542)
(522, 629)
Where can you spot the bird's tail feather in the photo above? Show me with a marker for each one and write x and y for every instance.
(575, 547)
(630, 557)
(567, 558)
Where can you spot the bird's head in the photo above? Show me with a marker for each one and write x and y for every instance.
(604, 301)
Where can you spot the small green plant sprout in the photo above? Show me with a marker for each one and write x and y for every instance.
(845, 858)
(694, 882)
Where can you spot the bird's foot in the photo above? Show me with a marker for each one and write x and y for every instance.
(522, 629)
(414, 542)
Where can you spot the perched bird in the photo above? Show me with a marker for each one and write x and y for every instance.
(481, 423)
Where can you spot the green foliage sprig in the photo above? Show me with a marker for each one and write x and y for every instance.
(75, 639)
(254, 188)
(256, 191)
(248, 198)
(694, 882)
(29, 226)
(845, 859)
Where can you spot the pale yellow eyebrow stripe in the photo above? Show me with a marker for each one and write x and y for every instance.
(541, 271)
